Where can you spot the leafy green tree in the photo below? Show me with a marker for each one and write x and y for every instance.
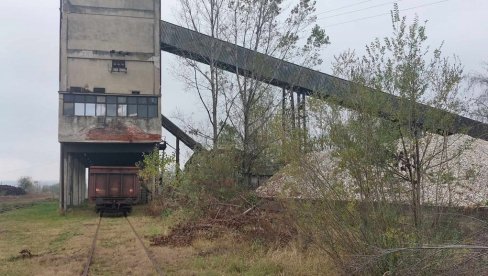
(405, 66)
(153, 167)
(370, 167)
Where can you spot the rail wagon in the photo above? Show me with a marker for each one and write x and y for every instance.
(114, 189)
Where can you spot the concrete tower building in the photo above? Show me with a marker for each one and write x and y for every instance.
(109, 87)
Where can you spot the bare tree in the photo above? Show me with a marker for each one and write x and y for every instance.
(209, 82)
(244, 102)
(257, 25)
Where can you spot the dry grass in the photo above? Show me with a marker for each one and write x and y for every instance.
(60, 246)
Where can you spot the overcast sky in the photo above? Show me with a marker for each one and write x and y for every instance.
(29, 47)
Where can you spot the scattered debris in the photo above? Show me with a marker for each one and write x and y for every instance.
(256, 222)
(25, 253)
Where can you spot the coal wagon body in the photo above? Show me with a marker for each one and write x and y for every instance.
(114, 189)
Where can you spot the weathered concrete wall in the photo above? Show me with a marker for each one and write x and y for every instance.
(110, 130)
(93, 34)
(91, 73)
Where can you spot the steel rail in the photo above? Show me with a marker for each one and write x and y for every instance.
(148, 254)
(92, 250)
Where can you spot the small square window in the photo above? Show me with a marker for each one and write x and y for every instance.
(118, 66)
(122, 110)
(90, 99)
(132, 110)
(76, 89)
(79, 99)
(153, 100)
(111, 99)
(100, 90)
(67, 98)
(101, 110)
(90, 109)
(101, 99)
(152, 111)
(142, 100)
(132, 100)
(142, 111)
(122, 100)
(69, 109)
(79, 109)
(111, 110)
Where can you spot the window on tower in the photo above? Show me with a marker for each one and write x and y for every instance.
(110, 106)
(119, 66)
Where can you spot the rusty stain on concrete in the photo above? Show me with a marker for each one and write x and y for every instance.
(121, 132)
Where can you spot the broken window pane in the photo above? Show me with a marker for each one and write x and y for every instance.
(122, 110)
(152, 111)
(69, 109)
(142, 111)
(101, 110)
(79, 109)
(132, 110)
(90, 109)
(111, 110)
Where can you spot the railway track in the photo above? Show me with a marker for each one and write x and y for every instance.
(91, 253)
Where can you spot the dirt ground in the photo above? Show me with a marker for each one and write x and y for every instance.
(59, 245)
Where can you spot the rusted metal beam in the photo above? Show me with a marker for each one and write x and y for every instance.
(180, 134)
(233, 58)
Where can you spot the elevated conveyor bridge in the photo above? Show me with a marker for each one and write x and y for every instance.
(230, 57)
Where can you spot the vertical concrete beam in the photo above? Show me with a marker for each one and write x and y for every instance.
(65, 180)
(61, 178)
(84, 182)
(70, 180)
(76, 189)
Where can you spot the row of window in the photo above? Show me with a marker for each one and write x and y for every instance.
(110, 106)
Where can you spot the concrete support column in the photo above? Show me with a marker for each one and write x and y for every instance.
(70, 180)
(65, 180)
(83, 183)
(61, 178)
(76, 183)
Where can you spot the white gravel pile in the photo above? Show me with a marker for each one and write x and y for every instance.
(466, 169)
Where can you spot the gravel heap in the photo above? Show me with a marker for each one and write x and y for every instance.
(466, 167)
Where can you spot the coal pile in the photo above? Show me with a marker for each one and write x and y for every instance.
(7, 190)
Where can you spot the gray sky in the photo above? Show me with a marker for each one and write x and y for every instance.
(29, 34)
